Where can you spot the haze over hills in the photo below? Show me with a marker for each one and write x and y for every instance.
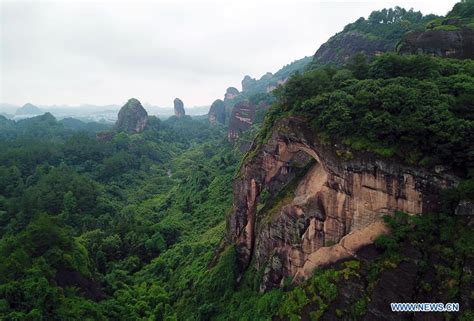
(107, 113)
(327, 190)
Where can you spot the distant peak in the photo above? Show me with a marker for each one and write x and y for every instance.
(132, 117)
(28, 109)
(179, 108)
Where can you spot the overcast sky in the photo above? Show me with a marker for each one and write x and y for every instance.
(104, 52)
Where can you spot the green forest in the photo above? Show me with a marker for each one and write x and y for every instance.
(85, 223)
(102, 224)
(127, 228)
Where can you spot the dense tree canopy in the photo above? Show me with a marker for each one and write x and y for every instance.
(417, 108)
(80, 216)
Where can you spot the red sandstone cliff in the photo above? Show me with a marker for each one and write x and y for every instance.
(300, 203)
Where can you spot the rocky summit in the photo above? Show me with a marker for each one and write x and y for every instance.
(132, 117)
(179, 108)
(248, 82)
(342, 47)
(231, 93)
(451, 36)
(217, 112)
(241, 119)
(458, 43)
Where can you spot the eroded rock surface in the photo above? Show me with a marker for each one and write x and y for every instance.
(179, 108)
(323, 204)
(132, 117)
(217, 112)
(242, 117)
(444, 43)
(341, 47)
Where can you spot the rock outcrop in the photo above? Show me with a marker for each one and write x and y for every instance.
(217, 112)
(242, 117)
(341, 47)
(444, 43)
(132, 117)
(231, 93)
(301, 203)
(179, 108)
(248, 82)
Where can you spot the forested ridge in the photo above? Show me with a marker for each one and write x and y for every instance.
(79, 217)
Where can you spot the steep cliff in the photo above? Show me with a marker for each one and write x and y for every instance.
(340, 48)
(301, 203)
(444, 43)
(217, 112)
(242, 117)
(132, 117)
(179, 108)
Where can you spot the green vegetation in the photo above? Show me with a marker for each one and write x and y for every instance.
(416, 108)
(389, 24)
(101, 225)
(109, 229)
(461, 16)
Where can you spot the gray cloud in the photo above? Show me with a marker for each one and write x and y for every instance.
(105, 52)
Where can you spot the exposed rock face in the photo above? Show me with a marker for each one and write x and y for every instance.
(341, 47)
(132, 117)
(322, 208)
(248, 82)
(217, 112)
(231, 93)
(445, 43)
(242, 117)
(179, 108)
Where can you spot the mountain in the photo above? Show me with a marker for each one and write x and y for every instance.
(377, 34)
(451, 36)
(217, 112)
(132, 117)
(179, 108)
(346, 160)
(329, 206)
(28, 110)
(355, 190)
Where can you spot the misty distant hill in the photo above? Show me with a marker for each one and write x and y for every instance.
(28, 109)
(88, 112)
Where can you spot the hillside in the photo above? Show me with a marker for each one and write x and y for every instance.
(28, 110)
(377, 34)
(451, 36)
(326, 191)
(381, 32)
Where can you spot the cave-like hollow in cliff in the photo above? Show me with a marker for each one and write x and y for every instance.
(300, 204)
